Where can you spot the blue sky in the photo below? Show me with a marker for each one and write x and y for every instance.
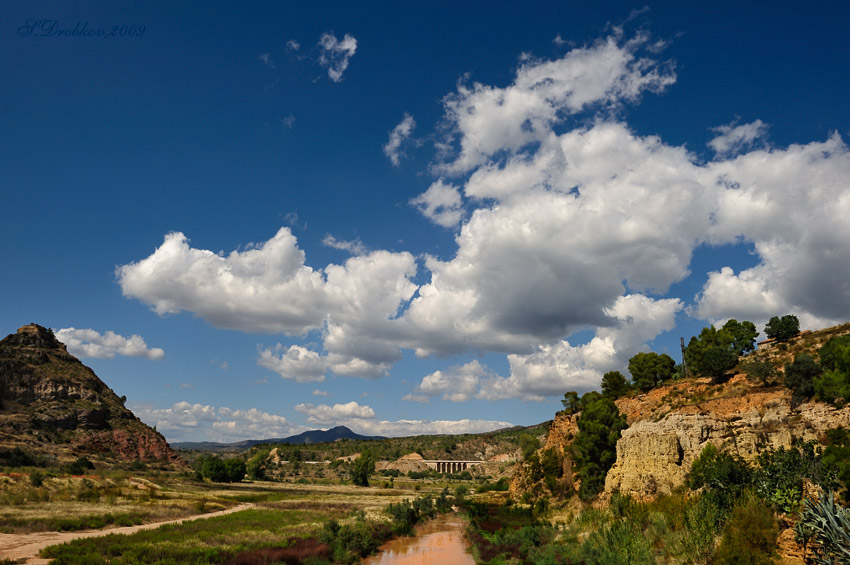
(414, 218)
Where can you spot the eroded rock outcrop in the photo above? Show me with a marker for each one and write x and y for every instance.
(51, 403)
(655, 455)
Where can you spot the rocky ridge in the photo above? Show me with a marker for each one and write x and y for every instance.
(670, 426)
(655, 455)
(52, 404)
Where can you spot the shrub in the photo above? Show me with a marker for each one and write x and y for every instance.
(502, 485)
(725, 476)
(828, 525)
(256, 466)
(835, 354)
(36, 478)
(700, 522)
(836, 457)
(750, 535)
(779, 478)
(528, 444)
(799, 377)
(16, 457)
(759, 369)
(621, 542)
(79, 467)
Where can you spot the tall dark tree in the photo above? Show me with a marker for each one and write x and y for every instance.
(743, 335)
(595, 446)
(615, 385)
(362, 467)
(716, 351)
(571, 402)
(782, 329)
(650, 370)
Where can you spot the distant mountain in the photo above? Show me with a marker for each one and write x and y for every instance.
(310, 436)
(52, 405)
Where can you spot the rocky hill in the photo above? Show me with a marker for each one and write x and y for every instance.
(669, 426)
(52, 405)
(304, 438)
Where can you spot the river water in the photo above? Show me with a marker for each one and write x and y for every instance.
(438, 541)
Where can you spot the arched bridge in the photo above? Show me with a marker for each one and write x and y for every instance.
(447, 466)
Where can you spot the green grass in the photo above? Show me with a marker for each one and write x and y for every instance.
(212, 540)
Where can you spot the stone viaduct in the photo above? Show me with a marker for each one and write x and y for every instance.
(446, 466)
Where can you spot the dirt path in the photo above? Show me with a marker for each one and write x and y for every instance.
(27, 546)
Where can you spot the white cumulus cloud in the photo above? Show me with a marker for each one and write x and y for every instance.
(568, 220)
(489, 119)
(324, 414)
(733, 139)
(354, 246)
(441, 204)
(295, 363)
(336, 54)
(90, 343)
(185, 421)
(456, 384)
(397, 137)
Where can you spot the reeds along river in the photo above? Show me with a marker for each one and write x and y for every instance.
(439, 541)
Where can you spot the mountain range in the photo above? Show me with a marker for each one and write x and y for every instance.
(308, 437)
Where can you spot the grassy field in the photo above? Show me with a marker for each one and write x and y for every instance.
(65, 503)
(285, 517)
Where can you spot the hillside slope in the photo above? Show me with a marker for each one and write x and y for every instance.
(54, 406)
(669, 426)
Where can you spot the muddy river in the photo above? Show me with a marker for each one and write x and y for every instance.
(438, 541)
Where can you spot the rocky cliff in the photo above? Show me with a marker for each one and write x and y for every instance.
(656, 452)
(670, 426)
(52, 404)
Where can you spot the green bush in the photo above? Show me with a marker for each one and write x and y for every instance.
(700, 522)
(833, 387)
(828, 525)
(836, 457)
(724, 475)
(780, 473)
(502, 485)
(759, 369)
(749, 536)
(623, 542)
(221, 471)
(16, 457)
(799, 377)
(79, 467)
(36, 478)
(257, 465)
(529, 444)
(351, 542)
